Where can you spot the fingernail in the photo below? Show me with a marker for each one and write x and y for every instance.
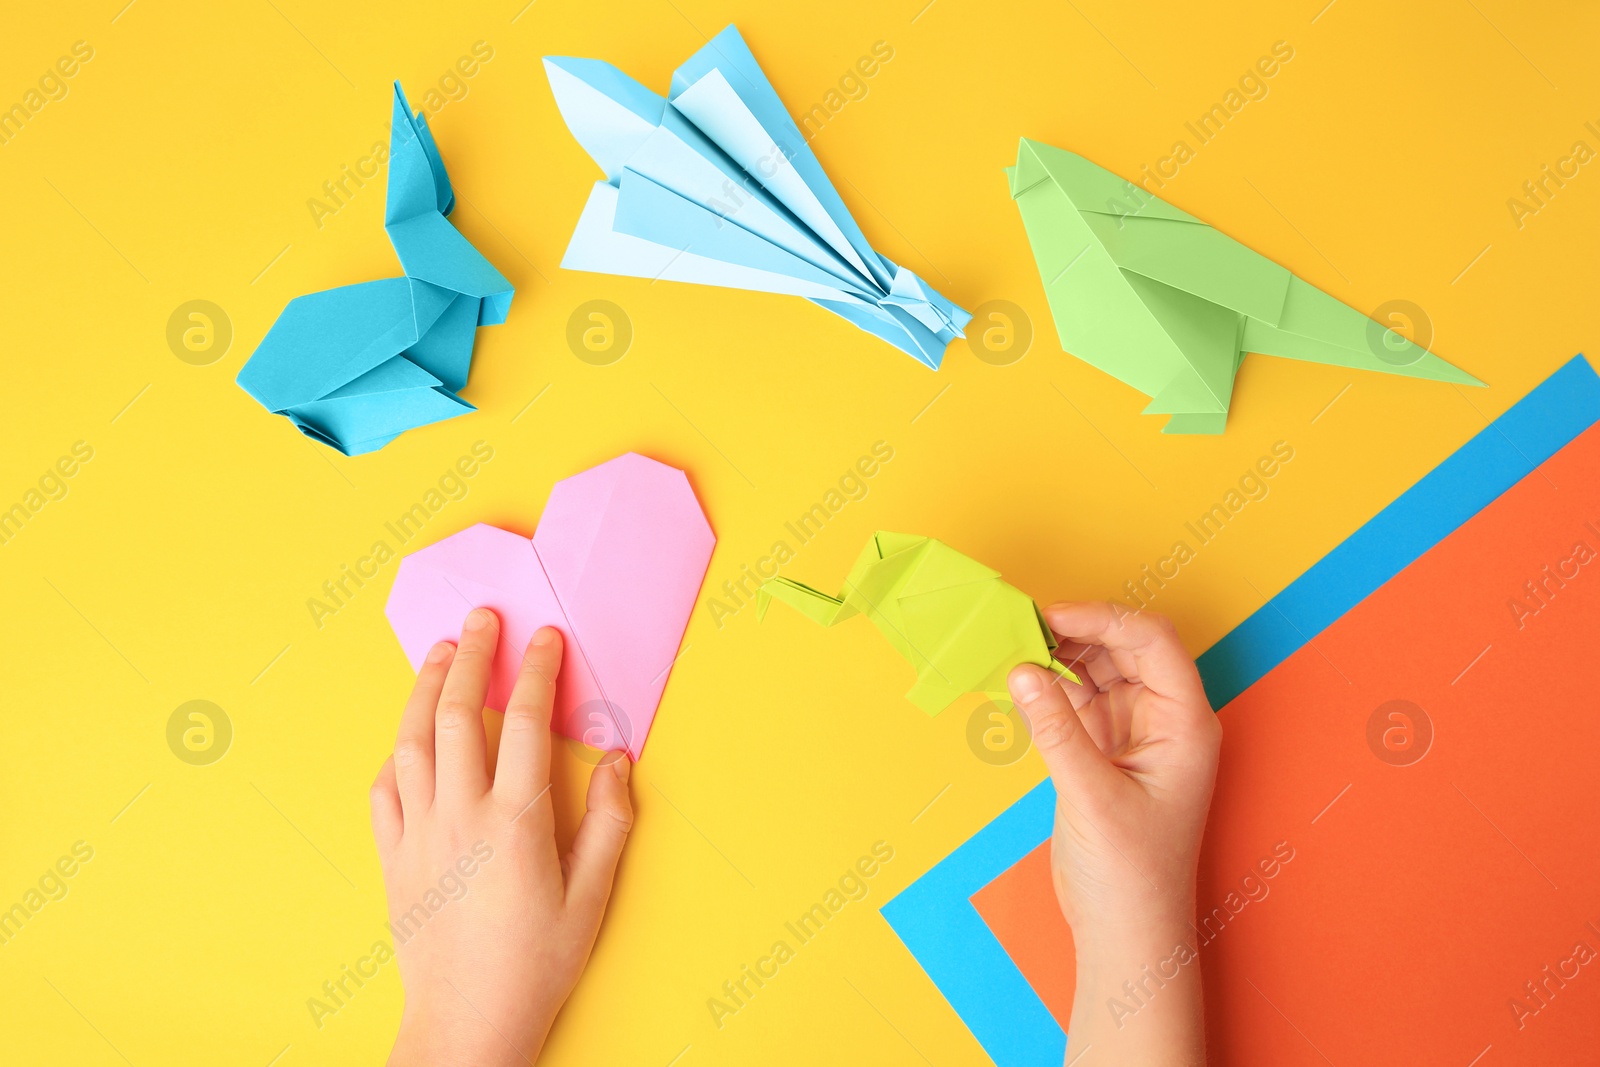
(440, 652)
(1026, 686)
(622, 767)
(477, 620)
(544, 635)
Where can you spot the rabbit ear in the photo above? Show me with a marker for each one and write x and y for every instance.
(430, 249)
(418, 182)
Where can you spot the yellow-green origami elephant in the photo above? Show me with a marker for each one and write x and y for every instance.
(959, 624)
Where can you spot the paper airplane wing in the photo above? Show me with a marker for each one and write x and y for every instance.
(725, 94)
(609, 113)
(717, 185)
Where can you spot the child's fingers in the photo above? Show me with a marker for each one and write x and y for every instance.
(523, 770)
(387, 819)
(1148, 642)
(460, 747)
(1098, 717)
(1076, 764)
(1080, 693)
(604, 830)
(1089, 661)
(413, 747)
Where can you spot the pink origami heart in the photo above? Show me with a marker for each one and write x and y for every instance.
(615, 565)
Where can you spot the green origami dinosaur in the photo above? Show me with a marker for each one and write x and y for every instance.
(1156, 298)
(952, 617)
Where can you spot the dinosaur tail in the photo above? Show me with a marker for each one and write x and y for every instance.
(1318, 328)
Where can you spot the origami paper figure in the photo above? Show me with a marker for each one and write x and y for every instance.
(615, 565)
(715, 184)
(1156, 298)
(354, 367)
(958, 623)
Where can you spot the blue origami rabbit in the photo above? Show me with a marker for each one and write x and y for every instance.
(355, 367)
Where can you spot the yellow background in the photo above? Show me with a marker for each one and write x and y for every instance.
(179, 565)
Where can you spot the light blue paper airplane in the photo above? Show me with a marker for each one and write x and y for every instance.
(715, 184)
(355, 367)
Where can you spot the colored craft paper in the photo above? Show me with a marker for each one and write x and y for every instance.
(1157, 299)
(354, 367)
(954, 619)
(715, 184)
(1442, 734)
(615, 565)
(1381, 847)
(1021, 910)
(936, 920)
(1530, 432)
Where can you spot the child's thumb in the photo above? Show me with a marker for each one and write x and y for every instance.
(1077, 766)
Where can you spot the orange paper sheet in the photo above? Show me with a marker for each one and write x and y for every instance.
(1402, 864)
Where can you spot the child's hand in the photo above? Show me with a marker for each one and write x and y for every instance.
(492, 927)
(1133, 754)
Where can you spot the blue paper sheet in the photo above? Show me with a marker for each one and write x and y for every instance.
(354, 367)
(715, 184)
